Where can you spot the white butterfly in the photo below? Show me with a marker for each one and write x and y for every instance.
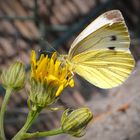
(100, 54)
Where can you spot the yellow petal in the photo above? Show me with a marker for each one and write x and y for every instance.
(41, 58)
(51, 78)
(42, 66)
(54, 56)
(59, 90)
(71, 83)
(33, 57)
(51, 69)
(57, 65)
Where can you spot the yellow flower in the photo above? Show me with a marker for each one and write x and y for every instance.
(51, 71)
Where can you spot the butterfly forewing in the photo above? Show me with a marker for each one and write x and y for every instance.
(108, 30)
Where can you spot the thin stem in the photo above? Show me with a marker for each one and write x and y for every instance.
(2, 112)
(43, 134)
(30, 119)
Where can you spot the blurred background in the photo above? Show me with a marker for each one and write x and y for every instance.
(34, 24)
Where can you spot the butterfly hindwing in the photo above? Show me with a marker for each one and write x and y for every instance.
(105, 69)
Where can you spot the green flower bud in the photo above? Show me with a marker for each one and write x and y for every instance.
(14, 76)
(42, 94)
(74, 122)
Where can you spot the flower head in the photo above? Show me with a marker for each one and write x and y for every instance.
(14, 76)
(74, 122)
(51, 74)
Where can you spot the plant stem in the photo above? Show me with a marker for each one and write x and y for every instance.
(2, 112)
(33, 114)
(43, 134)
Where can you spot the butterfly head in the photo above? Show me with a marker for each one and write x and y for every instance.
(66, 62)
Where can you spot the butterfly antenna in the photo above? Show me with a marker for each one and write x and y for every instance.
(49, 46)
(65, 104)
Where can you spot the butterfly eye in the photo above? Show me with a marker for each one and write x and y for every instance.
(113, 38)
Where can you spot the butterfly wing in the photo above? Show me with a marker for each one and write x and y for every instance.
(103, 68)
(100, 54)
(107, 30)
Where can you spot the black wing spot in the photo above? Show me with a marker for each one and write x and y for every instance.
(111, 48)
(113, 38)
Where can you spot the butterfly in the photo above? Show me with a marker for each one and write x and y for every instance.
(100, 54)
